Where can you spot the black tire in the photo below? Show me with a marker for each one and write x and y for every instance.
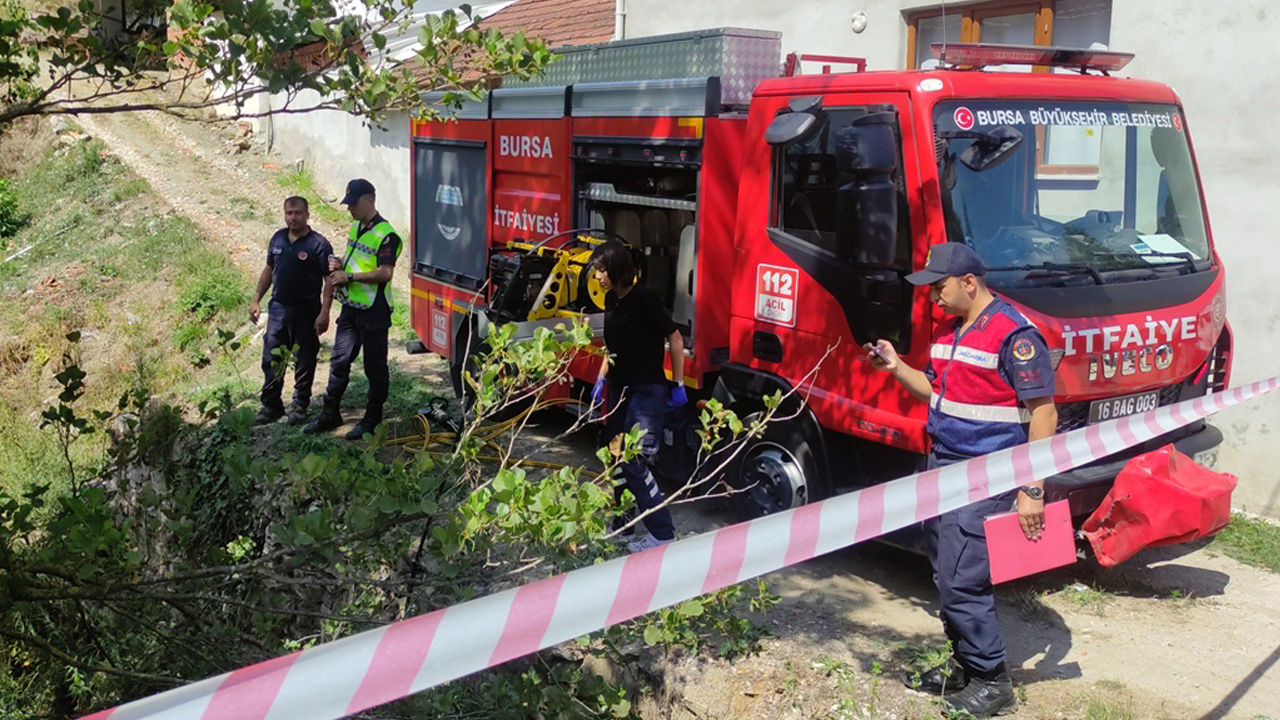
(470, 365)
(774, 472)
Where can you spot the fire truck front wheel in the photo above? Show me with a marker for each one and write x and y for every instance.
(775, 472)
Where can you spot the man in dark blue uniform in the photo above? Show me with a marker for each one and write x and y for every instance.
(298, 314)
(989, 385)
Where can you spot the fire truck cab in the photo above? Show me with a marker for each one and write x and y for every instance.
(778, 215)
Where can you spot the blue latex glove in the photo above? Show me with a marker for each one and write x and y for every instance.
(679, 397)
(597, 392)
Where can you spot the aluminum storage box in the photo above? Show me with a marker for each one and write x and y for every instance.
(741, 58)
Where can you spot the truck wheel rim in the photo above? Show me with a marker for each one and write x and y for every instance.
(773, 478)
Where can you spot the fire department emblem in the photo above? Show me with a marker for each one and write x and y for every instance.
(449, 198)
(302, 254)
(1024, 349)
(964, 118)
(1177, 122)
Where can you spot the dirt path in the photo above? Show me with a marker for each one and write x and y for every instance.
(235, 203)
(235, 199)
(1194, 637)
(1176, 633)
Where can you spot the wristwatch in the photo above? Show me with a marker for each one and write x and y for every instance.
(351, 277)
(1033, 492)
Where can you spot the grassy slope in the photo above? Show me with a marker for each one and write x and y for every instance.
(141, 284)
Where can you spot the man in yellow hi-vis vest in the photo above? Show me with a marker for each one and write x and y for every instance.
(361, 284)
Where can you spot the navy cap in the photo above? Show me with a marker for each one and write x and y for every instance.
(357, 189)
(949, 259)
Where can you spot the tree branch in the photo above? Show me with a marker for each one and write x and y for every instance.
(64, 657)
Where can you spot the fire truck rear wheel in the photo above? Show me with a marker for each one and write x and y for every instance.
(469, 366)
(775, 472)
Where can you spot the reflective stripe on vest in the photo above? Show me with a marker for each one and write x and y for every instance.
(973, 410)
(362, 257)
(984, 413)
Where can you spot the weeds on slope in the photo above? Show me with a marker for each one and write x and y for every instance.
(101, 256)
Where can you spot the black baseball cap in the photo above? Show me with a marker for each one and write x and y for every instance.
(357, 189)
(950, 259)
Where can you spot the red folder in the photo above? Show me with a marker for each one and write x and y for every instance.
(1014, 556)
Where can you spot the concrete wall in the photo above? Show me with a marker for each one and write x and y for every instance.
(336, 146)
(1215, 56)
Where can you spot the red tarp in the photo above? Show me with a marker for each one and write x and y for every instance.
(1159, 498)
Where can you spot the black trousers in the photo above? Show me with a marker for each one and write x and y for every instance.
(289, 327)
(351, 337)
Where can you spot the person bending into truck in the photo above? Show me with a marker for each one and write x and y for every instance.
(635, 327)
(297, 271)
(989, 385)
(362, 284)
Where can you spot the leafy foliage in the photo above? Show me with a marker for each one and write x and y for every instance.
(195, 547)
(246, 48)
(715, 618)
(11, 220)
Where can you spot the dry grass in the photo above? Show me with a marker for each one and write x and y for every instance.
(23, 144)
(106, 259)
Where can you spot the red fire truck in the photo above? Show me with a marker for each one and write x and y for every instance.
(777, 214)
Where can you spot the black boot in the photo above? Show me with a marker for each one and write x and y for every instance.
(946, 678)
(986, 695)
(365, 426)
(328, 419)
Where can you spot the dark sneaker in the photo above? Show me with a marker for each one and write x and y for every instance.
(984, 698)
(326, 421)
(268, 415)
(365, 426)
(297, 415)
(948, 677)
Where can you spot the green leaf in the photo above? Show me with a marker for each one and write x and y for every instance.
(388, 504)
(652, 635)
(690, 608)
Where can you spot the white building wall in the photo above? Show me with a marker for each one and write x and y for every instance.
(1216, 56)
(337, 146)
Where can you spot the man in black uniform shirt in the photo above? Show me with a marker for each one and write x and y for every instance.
(298, 314)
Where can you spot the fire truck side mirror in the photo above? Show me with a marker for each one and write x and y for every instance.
(991, 148)
(867, 206)
(789, 127)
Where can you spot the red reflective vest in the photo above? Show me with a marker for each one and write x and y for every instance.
(973, 410)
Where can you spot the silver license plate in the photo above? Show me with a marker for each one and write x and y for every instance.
(1112, 408)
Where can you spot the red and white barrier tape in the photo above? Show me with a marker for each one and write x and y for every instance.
(355, 673)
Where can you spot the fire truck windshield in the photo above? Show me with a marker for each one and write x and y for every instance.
(1067, 192)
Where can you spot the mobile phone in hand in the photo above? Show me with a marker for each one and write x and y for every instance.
(875, 351)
